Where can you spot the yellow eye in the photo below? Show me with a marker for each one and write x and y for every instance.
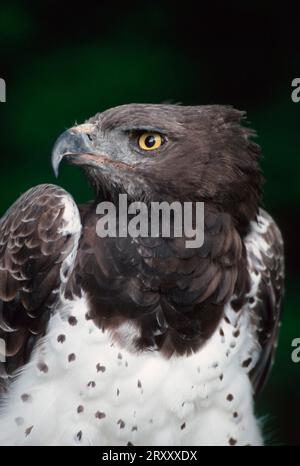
(150, 141)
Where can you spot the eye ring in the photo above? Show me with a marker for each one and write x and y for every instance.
(150, 141)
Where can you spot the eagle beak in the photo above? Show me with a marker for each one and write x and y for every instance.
(74, 146)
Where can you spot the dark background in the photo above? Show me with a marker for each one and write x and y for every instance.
(63, 63)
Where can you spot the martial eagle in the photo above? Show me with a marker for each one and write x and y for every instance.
(141, 341)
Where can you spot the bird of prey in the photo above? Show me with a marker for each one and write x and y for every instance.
(141, 340)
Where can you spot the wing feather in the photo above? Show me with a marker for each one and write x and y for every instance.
(37, 234)
(266, 262)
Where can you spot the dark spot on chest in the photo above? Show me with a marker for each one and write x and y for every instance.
(28, 431)
(183, 426)
(247, 362)
(236, 305)
(71, 357)
(42, 367)
(121, 423)
(232, 441)
(61, 338)
(100, 415)
(80, 409)
(72, 320)
(229, 397)
(91, 384)
(100, 368)
(26, 397)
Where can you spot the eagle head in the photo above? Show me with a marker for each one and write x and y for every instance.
(169, 152)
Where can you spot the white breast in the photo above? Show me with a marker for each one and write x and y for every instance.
(80, 387)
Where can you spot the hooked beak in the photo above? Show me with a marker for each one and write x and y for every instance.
(75, 146)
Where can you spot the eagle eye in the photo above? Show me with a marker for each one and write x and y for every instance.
(150, 141)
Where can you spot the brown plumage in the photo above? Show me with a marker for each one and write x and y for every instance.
(32, 251)
(174, 296)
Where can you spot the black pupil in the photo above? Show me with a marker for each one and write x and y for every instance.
(150, 141)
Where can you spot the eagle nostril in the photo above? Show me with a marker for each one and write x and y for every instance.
(89, 136)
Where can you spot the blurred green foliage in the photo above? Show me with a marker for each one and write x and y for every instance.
(63, 66)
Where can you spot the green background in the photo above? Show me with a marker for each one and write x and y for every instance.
(65, 63)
